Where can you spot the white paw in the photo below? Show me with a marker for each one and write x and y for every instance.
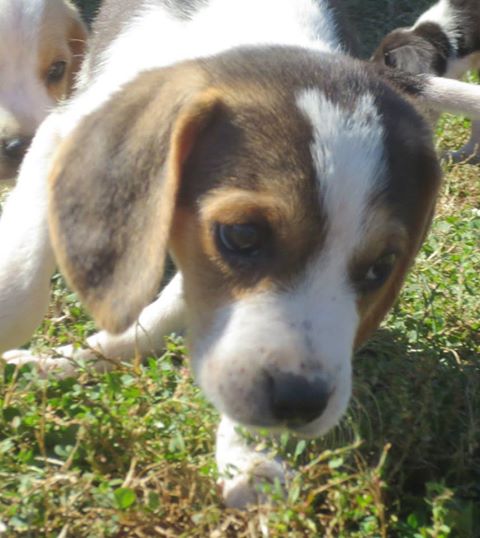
(243, 469)
(43, 363)
(247, 487)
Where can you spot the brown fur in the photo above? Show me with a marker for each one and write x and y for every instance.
(184, 148)
(134, 198)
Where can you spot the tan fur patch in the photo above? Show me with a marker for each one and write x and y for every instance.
(111, 214)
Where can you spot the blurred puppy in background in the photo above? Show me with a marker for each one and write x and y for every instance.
(444, 41)
(41, 46)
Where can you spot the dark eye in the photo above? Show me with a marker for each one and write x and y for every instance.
(56, 72)
(390, 59)
(240, 239)
(378, 272)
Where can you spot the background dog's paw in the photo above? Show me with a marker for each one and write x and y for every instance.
(246, 488)
(43, 363)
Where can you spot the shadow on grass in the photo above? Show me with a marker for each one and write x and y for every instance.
(424, 401)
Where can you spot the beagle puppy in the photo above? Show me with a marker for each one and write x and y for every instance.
(291, 184)
(445, 41)
(41, 44)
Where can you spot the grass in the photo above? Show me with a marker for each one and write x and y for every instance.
(130, 453)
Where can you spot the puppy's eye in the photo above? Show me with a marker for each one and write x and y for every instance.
(56, 72)
(378, 272)
(240, 239)
(390, 59)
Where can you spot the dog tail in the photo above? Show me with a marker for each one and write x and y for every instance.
(437, 94)
(448, 95)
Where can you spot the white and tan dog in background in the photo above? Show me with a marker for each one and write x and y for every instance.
(291, 184)
(41, 45)
(444, 41)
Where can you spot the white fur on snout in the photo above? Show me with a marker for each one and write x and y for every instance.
(307, 332)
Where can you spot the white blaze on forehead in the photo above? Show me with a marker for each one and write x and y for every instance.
(348, 156)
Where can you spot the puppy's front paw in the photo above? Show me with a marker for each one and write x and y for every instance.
(244, 469)
(247, 487)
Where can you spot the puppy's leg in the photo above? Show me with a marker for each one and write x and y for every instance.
(242, 468)
(159, 319)
(26, 257)
(470, 152)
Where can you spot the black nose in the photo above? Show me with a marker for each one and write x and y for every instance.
(15, 148)
(297, 400)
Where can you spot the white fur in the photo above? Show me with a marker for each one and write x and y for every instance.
(26, 257)
(346, 184)
(242, 468)
(448, 95)
(307, 331)
(164, 316)
(321, 306)
(442, 14)
(24, 97)
(22, 93)
(310, 328)
(23, 303)
(219, 26)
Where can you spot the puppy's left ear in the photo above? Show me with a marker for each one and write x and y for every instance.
(113, 191)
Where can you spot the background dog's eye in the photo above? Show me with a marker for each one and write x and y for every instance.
(56, 72)
(241, 239)
(378, 272)
(390, 59)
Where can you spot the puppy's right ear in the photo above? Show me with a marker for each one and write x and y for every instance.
(113, 189)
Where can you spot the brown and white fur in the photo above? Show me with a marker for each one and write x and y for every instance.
(291, 184)
(444, 41)
(41, 44)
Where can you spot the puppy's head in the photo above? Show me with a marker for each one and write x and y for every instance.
(41, 45)
(425, 49)
(292, 190)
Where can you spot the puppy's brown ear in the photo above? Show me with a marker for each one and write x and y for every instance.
(113, 189)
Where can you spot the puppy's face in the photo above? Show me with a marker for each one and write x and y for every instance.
(292, 191)
(41, 43)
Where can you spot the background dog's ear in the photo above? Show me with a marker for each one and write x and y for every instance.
(113, 189)
(411, 58)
